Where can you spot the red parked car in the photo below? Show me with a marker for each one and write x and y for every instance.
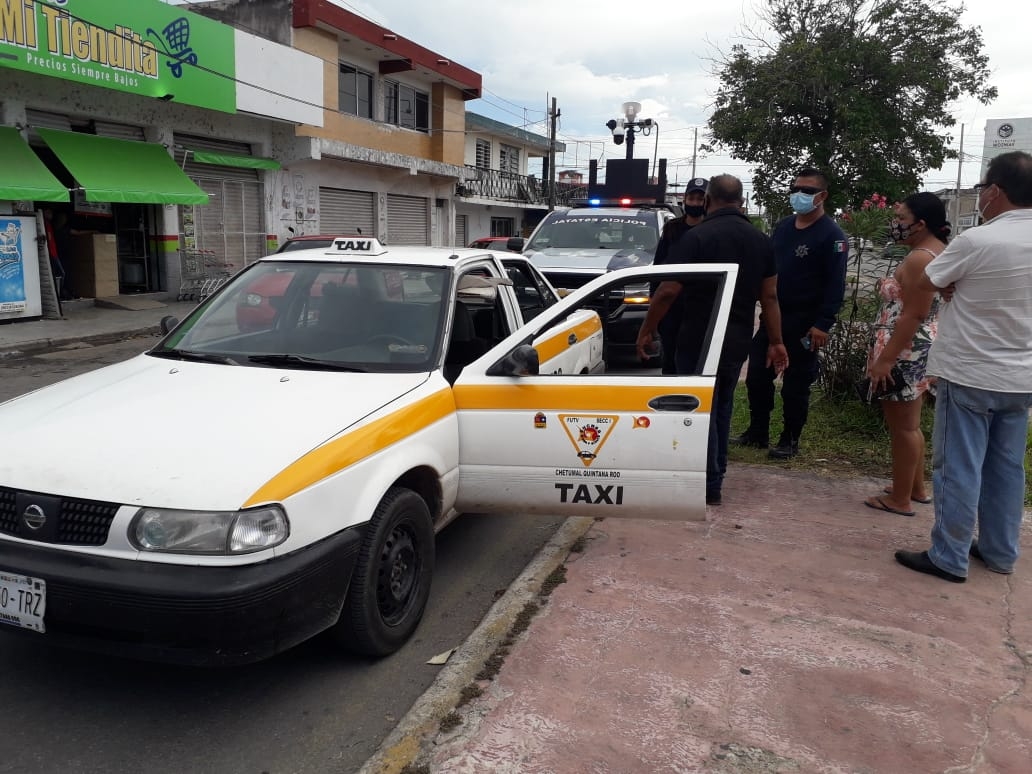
(490, 243)
(256, 311)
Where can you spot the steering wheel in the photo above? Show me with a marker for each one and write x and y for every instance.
(388, 339)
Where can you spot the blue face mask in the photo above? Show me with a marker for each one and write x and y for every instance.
(802, 202)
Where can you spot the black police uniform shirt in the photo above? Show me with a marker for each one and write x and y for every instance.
(724, 236)
(811, 265)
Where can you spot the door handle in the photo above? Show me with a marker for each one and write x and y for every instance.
(571, 339)
(674, 403)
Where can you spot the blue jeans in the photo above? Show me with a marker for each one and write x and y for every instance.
(720, 426)
(978, 475)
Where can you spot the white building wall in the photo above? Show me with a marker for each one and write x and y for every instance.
(277, 81)
(1003, 135)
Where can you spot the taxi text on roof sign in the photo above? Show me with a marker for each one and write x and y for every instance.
(145, 47)
(358, 246)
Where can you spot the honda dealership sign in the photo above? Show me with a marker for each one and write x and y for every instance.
(142, 47)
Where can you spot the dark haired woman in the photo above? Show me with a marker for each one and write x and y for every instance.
(903, 333)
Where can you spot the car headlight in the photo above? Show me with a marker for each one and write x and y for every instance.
(253, 299)
(208, 532)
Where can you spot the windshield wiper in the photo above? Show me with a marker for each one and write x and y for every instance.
(200, 357)
(300, 361)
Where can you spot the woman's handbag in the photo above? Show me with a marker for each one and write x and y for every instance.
(894, 386)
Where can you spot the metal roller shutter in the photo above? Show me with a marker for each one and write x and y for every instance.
(118, 131)
(229, 232)
(408, 220)
(343, 212)
(461, 240)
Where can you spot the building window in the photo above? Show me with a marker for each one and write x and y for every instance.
(355, 91)
(502, 226)
(406, 107)
(509, 159)
(483, 154)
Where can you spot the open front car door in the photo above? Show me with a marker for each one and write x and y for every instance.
(629, 445)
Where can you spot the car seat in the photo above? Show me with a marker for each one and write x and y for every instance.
(464, 346)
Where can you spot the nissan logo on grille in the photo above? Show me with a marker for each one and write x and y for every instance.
(34, 517)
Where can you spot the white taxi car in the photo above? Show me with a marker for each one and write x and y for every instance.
(385, 395)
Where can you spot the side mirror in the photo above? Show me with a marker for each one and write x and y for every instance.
(515, 244)
(168, 322)
(522, 361)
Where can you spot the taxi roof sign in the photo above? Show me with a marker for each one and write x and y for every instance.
(357, 245)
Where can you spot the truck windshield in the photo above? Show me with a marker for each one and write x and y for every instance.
(593, 231)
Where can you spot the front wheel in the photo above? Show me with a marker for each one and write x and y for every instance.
(391, 581)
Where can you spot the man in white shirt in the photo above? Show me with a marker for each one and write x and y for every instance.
(982, 357)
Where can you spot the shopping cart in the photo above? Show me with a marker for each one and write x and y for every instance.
(203, 274)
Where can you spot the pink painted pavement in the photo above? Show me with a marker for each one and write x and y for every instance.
(779, 636)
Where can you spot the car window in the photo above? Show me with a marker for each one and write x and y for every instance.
(533, 297)
(370, 317)
(304, 244)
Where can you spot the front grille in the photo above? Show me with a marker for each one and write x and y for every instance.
(79, 522)
(570, 280)
(8, 511)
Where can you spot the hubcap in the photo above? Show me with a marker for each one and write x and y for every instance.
(398, 573)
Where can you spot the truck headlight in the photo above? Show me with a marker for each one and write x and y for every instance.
(208, 532)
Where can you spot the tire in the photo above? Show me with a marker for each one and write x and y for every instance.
(391, 580)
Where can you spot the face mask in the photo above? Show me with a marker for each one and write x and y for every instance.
(694, 210)
(899, 232)
(802, 202)
(981, 211)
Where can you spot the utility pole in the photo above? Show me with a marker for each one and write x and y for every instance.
(554, 115)
(695, 149)
(956, 194)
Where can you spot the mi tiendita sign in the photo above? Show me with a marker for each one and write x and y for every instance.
(144, 47)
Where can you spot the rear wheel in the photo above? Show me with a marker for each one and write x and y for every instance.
(391, 581)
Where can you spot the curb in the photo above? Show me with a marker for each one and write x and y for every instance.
(30, 348)
(404, 744)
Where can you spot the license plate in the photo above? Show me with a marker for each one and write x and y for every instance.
(23, 601)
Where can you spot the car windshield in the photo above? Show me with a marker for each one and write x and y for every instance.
(592, 231)
(333, 316)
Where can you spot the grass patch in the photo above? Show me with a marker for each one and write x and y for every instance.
(450, 722)
(468, 694)
(841, 437)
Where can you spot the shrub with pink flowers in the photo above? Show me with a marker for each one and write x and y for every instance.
(869, 223)
(844, 360)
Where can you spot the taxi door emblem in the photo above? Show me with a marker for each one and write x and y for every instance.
(588, 433)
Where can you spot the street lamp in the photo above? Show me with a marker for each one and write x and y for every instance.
(627, 126)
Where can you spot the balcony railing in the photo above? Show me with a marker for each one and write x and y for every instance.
(509, 187)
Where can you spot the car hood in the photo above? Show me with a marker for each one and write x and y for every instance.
(596, 259)
(176, 434)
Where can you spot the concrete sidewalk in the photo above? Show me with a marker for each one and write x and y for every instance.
(87, 322)
(779, 636)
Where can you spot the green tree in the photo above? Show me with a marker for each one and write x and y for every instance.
(859, 88)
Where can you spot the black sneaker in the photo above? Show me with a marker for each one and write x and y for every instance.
(750, 438)
(712, 498)
(787, 448)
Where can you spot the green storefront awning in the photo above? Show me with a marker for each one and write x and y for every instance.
(233, 160)
(23, 176)
(122, 171)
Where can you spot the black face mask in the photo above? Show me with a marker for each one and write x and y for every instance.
(695, 210)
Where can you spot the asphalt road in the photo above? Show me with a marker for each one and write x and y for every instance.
(312, 709)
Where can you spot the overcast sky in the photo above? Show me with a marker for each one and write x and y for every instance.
(593, 55)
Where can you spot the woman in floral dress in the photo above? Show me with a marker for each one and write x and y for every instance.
(903, 334)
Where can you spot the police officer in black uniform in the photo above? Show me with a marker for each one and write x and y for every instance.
(694, 206)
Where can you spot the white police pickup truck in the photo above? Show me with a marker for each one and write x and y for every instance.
(388, 391)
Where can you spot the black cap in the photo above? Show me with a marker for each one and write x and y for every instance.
(697, 184)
